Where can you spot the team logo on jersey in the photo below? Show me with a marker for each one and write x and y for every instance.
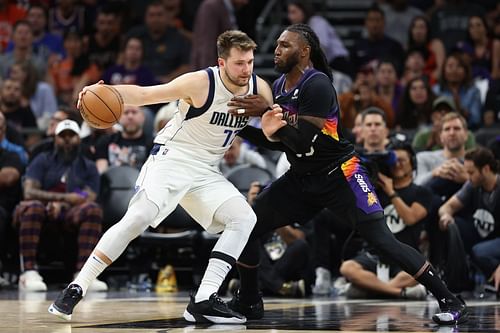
(371, 199)
(392, 219)
(484, 222)
(362, 184)
(295, 94)
(290, 117)
(228, 120)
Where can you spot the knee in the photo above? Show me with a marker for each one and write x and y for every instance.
(91, 211)
(349, 268)
(478, 251)
(243, 223)
(133, 223)
(29, 211)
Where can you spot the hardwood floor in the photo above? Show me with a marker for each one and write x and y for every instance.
(150, 312)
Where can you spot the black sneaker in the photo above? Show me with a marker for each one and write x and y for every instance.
(452, 313)
(251, 311)
(213, 310)
(66, 301)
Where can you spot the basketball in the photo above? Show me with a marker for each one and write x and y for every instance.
(101, 106)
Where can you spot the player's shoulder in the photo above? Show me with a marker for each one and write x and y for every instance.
(262, 83)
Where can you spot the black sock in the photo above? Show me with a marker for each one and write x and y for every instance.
(430, 279)
(249, 287)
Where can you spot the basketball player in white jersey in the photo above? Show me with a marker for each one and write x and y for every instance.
(183, 169)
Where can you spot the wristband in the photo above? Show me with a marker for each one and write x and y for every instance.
(394, 195)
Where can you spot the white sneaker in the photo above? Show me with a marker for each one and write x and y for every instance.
(96, 285)
(31, 281)
(323, 283)
(415, 292)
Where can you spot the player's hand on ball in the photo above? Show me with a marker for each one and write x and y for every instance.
(272, 121)
(84, 90)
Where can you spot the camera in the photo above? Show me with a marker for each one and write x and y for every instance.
(381, 162)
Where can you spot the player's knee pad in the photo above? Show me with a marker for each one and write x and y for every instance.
(237, 216)
(138, 217)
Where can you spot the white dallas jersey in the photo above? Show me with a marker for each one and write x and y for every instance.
(205, 133)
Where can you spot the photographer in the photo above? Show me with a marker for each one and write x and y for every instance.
(404, 206)
(375, 134)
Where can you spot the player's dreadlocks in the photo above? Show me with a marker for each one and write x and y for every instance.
(318, 57)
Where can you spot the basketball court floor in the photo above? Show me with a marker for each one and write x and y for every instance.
(135, 312)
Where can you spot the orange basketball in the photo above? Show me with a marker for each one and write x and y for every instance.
(101, 106)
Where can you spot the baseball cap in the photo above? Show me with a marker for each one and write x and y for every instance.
(67, 124)
(444, 100)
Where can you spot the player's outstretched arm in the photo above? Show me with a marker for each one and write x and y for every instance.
(190, 86)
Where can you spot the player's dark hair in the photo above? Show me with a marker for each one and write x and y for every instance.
(318, 57)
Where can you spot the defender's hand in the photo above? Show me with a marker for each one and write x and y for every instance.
(249, 105)
(272, 121)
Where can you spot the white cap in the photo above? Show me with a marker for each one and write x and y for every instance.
(67, 124)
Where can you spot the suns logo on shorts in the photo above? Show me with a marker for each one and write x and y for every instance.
(371, 199)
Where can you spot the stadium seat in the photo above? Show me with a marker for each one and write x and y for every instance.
(242, 176)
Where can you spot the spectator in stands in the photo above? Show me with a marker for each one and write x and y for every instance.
(166, 50)
(36, 93)
(484, 51)
(432, 49)
(357, 130)
(131, 69)
(405, 207)
(491, 114)
(478, 201)
(213, 17)
(11, 170)
(103, 46)
(47, 144)
(429, 138)
(443, 170)
(302, 11)
(10, 105)
(22, 38)
(45, 44)
(130, 146)
(6, 145)
(376, 45)
(449, 23)
(10, 13)
(456, 82)
(415, 105)
(66, 73)
(399, 15)
(414, 67)
(387, 84)
(240, 154)
(59, 191)
(374, 130)
(362, 97)
(66, 16)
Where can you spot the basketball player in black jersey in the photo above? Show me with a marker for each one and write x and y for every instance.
(324, 172)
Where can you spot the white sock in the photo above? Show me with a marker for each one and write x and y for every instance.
(90, 271)
(215, 274)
